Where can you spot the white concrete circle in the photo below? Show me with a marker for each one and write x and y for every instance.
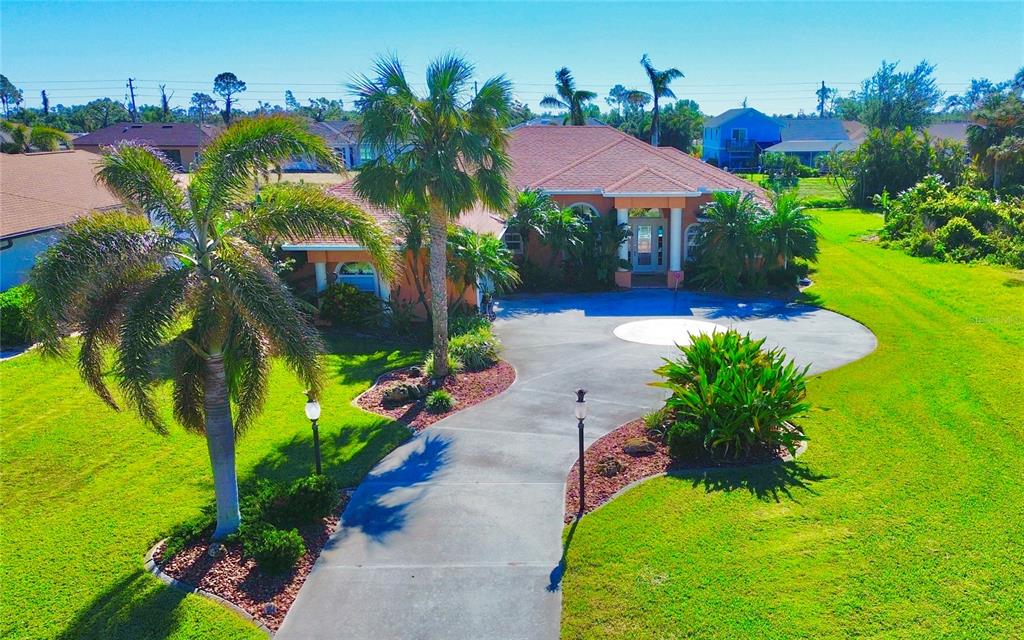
(665, 331)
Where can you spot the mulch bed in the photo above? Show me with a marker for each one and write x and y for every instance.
(237, 580)
(600, 488)
(468, 388)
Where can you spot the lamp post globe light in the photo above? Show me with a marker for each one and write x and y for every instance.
(313, 413)
(581, 415)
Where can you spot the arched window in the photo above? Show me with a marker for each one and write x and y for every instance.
(360, 275)
(690, 241)
(585, 212)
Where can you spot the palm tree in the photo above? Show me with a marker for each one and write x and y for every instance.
(479, 256)
(443, 152)
(659, 89)
(787, 231)
(569, 97)
(192, 286)
(728, 246)
(563, 231)
(410, 224)
(38, 138)
(531, 207)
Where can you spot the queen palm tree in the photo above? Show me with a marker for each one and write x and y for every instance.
(569, 97)
(190, 285)
(659, 89)
(442, 152)
(479, 256)
(787, 231)
(23, 139)
(528, 215)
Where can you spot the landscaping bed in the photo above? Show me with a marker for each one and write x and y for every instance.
(237, 579)
(467, 388)
(608, 452)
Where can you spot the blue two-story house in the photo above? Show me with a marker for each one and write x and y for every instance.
(735, 138)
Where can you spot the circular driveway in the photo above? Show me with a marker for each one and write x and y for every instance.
(457, 533)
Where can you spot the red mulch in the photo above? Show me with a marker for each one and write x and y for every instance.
(468, 388)
(600, 489)
(237, 580)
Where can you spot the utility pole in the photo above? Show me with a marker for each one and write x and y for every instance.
(131, 92)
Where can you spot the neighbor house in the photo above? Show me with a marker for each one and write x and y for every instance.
(598, 171)
(181, 142)
(39, 193)
(811, 138)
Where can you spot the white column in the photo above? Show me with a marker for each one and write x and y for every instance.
(675, 240)
(622, 216)
(321, 276)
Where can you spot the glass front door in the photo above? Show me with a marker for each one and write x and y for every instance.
(648, 245)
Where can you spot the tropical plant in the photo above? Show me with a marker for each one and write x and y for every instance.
(569, 97)
(736, 395)
(477, 350)
(24, 139)
(443, 153)
(595, 258)
(787, 231)
(440, 401)
(728, 246)
(410, 224)
(275, 551)
(190, 285)
(528, 215)
(563, 231)
(475, 257)
(452, 366)
(995, 139)
(659, 79)
(15, 304)
(346, 305)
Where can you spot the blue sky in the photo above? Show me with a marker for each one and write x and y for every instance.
(774, 54)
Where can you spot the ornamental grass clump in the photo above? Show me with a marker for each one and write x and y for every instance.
(732, 397)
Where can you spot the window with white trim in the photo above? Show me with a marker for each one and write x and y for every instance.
(360, 275)
(585, 212)
(690, 241)
(513, 242)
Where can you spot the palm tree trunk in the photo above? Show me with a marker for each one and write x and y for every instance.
(439, 286)
(654, 123)
(220, 440)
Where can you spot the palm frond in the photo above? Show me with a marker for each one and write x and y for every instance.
(99, 327)
(48, 138)
(188, 394)
(142, 178)
(247, 366)
(295, 211)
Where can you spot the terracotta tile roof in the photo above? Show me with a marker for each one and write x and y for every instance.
(157, 134)
(40, 191)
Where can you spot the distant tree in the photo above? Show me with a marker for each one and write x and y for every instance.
(826, 98)
(165, 102)
(290, 103)
(659, 79)
(101, 113)
(10, 95)
(23, 139)
(569, 97)
(895, 100)
(203, 106)
(322, 109)
(994, 138)
(520, 113)
(227, 85)
(46, 102)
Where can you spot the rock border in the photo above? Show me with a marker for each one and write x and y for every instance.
(787, 457)
(154, 568)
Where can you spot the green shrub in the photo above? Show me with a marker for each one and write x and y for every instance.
(440, 401)
(275, 550)
(14, 324)
(347, 306)
(685, 440)
(460, 324)
(962, 242)
(657, 423)
(304, 501)
(454, 365)
(477, 350)
(738, 395)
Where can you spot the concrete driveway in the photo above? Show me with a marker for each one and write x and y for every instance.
(457, 534)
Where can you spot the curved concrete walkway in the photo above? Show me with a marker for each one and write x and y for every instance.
(457, 533)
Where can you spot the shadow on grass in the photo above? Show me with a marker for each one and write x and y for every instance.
(136, 607)
(768, 482)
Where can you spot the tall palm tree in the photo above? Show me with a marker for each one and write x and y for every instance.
(787, 231)
(528, 215)
(659, 89)
(478, 256)
(23, 139)
(193, 286)
(569, 97)
(444, 152)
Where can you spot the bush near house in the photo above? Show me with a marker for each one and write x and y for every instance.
(958, 224)
(14, 324)
(347, 306)
(732, 397)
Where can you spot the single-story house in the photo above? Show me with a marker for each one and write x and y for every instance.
(810, 138)
(595, 170)
(39, 193)
(181, 142)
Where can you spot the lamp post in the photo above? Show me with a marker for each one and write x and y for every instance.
(313, 413)
(581, 415)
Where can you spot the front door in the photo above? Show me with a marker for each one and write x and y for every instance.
(648, 245)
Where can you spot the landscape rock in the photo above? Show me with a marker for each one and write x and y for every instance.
(639, 447)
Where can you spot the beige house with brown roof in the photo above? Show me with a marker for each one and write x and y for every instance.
(39, 193)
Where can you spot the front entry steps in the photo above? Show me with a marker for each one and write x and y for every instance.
(648, 281)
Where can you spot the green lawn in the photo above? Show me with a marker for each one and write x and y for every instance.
(85, 491)
(905, 517)
(816, 188)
